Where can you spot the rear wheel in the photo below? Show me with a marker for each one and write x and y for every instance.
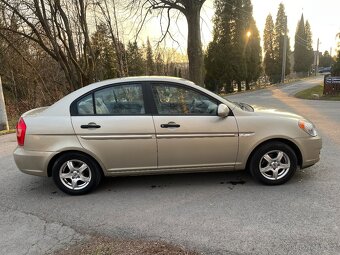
(273, 163)
(76, 174)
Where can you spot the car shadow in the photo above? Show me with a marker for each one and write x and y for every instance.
(178, 180)
(44, 187)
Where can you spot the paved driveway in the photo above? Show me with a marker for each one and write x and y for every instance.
(216, 213)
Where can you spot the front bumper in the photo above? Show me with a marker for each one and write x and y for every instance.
(310, 148)
(32, 162)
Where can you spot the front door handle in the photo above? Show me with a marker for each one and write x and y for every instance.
(171, 124)
(90, 125)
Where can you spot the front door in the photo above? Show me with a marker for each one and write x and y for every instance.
(189, 132)
(113, 124)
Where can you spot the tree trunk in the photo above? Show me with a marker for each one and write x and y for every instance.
(247, 85)
(239, 87)
(195, 53)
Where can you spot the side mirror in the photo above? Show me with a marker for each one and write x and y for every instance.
(223, 111)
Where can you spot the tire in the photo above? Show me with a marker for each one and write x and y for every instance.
(273, 163)
(76, 174)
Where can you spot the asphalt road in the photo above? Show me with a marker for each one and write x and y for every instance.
(215, 213)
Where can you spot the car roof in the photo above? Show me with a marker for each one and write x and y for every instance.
(99, 84)
(141, 79)
(61, 107)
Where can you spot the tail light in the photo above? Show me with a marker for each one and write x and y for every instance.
(21, 132)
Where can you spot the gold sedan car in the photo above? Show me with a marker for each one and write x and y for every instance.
(157, 125)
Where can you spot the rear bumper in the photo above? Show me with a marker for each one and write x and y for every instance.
(32, 162)
(310, 149)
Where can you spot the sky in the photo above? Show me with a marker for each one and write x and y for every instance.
(323, 17)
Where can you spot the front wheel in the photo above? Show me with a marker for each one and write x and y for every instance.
(273, 163)
(76, 174)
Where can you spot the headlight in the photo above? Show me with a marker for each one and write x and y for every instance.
(308, 127)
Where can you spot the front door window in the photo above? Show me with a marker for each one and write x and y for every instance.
(176, 100)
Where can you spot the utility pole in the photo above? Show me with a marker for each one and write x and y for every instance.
(284, 53)
(3, 114)
(317, 58)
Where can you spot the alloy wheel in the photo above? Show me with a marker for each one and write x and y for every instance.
(75, 174)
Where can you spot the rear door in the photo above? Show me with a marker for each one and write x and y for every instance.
(114, 124)
(189, 132)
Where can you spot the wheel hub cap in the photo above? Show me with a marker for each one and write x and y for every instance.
(274, 165)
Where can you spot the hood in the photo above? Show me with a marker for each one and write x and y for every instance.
(277, 113)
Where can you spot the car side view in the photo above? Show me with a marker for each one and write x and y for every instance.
(158, 125)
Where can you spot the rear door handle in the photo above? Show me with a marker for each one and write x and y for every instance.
(171, 124)
(90, 125)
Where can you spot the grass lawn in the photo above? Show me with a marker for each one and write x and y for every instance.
(12, 122)
(308, 94)
(5, 132)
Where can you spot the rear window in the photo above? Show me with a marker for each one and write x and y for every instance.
(85, 105)
(116, 100)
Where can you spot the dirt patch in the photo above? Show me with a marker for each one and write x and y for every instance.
(109, 246)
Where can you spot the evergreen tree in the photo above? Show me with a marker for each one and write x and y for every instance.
(300, 49)
(280, 26)
(218, 61)
(253, 51)
(268, 47)
(233, 55)
(303, 52)
(150, 64)
(326, 60)
(309, 43)
(159, 65)
(105, 62)
(239, 20)
(134, 59)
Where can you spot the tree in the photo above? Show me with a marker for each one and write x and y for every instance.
(253, 51)
(52, 25)
(303, 47)
(238, 36)
(106, 64)
(235, 52)
(191, 9)
(300, 49)
(30, 76)
(269, 51)
(134, 59)
(109, 17)
(309, 43)
(336, 65)
(159, 65)
(280, 27)
(150, 63)
(326, 60)
(218, 66)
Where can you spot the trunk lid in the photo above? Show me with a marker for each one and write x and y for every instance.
(34, 112)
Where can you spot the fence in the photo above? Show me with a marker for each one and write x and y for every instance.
(331, 85)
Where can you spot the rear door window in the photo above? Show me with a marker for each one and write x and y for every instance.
(120, 100)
